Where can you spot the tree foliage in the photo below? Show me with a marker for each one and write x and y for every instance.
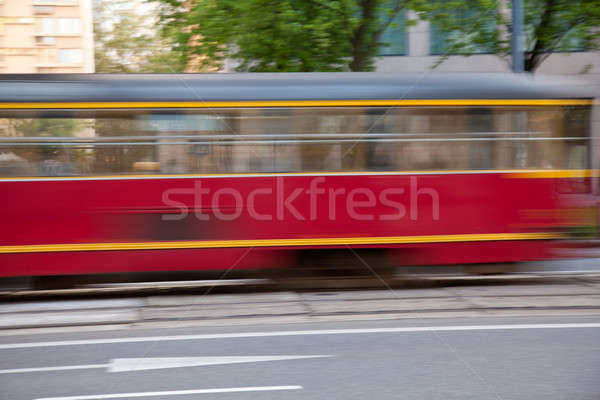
(125, 41)
(549, 26)
(281, 35)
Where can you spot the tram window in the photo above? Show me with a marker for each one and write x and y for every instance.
(481, 153)
(379, 156)
(577, 121)
(295, 139)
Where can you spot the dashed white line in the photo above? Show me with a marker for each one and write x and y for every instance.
(299, 333)
(44, 369)
(148, 363)
(173, 393)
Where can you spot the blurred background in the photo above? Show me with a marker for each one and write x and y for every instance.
(73, 36)
(483, 114)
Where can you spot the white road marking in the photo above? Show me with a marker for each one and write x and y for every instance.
(299, 333)
(142, 364)
(43, 369)
(172, 393)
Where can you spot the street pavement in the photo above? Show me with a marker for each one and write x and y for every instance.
(521, 339)
(578, 295)
(509, 358)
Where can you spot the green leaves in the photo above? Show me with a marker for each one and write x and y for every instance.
(281, 35)
(268, 35)
(334, 35)
(126, 41)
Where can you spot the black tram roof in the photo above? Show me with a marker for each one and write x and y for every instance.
(284, 86)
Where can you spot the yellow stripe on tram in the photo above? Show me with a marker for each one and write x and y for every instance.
(337, 241)
(298, 103)
(508, 173)
(558, 173)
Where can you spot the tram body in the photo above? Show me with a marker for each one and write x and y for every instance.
(104, 174)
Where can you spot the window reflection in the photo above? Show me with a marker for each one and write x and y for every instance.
(293, 139)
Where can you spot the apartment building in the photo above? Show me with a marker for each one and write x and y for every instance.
(46, 36)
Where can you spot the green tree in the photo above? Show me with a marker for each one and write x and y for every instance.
(282, 35)
(126, 40)
(549, 26)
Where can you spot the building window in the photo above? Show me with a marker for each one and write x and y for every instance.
(63, 26)
(69, 56)
(573, 41)
(441, 40)
(69, 25)
(46, 26)
(43, 9)
(58, 2)
(45, 40)
(393, 39)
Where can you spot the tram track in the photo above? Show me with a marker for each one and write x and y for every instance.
(232, 286)
(168, 304)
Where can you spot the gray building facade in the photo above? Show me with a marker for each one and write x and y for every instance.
(418, 49)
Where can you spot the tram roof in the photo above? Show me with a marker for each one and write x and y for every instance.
(285, 86)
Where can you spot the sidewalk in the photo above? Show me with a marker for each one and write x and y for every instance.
(575, 297)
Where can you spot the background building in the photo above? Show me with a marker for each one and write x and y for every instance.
(419, 47)
(46, 36)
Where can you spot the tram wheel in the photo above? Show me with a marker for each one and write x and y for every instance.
(491, 268)
(52, 282)
(348, 262)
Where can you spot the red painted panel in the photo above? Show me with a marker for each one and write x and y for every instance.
(268, 207)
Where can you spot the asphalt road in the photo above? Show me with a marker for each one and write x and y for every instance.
(465, 358)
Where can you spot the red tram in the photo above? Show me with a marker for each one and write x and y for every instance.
(103, 174)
